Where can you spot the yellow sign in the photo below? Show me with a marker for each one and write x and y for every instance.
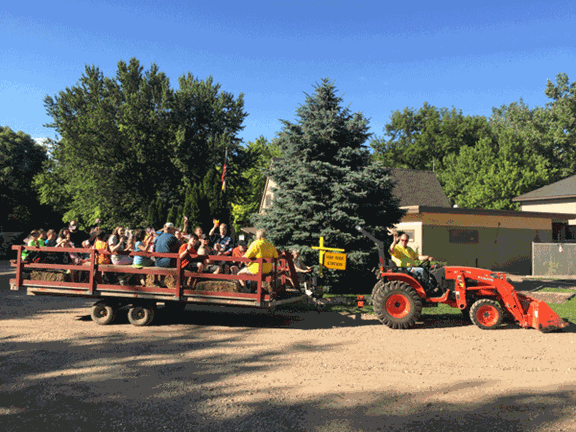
(333, 260)
(323, 251)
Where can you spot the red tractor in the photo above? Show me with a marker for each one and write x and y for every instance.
(483, 295)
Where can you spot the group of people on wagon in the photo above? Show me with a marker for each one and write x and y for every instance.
(130, 247)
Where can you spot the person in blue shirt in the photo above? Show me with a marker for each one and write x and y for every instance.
(221, 242)
(166, 242)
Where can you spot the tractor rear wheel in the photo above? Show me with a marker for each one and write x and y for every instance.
(396, 304)
(486, 314)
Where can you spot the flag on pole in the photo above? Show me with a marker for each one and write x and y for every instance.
(224, 171)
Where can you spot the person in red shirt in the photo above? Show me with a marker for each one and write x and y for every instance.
(238, 252)
(188, 255)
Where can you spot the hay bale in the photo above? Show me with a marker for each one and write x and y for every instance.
(217, 286)
(212, 285)
(50, 276)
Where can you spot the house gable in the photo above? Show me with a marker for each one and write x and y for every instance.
(562, 189)
(412, 187)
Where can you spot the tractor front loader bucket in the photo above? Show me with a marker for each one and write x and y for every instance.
(540, 316)
(527, 311)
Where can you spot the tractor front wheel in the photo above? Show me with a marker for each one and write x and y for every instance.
(486, 314)
(396, 304)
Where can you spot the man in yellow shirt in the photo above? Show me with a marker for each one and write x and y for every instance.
(260, 248)
(404, 256)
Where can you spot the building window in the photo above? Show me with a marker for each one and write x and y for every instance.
(410, 234)
(461, 236)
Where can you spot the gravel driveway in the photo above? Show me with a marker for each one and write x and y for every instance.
(243, 370)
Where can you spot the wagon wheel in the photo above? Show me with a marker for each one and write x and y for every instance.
(396, 304)
(103, 313)
(141, 315)
(487, 314)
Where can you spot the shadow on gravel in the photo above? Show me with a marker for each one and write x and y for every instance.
(521, 412)
(120, 382)
(250, 318)
(442, 321)
(135, 383)
(16, 304)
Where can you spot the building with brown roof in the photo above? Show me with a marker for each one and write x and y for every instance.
(493, 239)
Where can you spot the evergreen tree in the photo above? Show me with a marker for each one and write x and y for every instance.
(217, 199)
(327, 185)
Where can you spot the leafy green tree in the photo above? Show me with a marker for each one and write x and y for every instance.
(558, 120)
(327, 185)
(492, 173)
(21, 158)
(422, 139)
(130, 140)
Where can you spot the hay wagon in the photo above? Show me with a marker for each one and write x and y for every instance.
(179, 288)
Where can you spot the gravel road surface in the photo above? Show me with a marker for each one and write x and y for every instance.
(217, 369)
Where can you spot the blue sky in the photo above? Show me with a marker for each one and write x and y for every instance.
(383, 56)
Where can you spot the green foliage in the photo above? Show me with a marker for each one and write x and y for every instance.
(486, 163)
(131, 140)
(491, 174)
(557, 125)
(422, 139)
(258, 155)
(327, 185)
(20, 160)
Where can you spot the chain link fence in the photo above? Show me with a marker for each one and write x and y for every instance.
(553, 259)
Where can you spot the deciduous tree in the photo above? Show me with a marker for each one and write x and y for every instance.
(127, 141)
(422, 139)
(21, 158)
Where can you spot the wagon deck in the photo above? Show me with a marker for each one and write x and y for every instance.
(99, 281)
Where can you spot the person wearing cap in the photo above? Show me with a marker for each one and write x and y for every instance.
(166, 242)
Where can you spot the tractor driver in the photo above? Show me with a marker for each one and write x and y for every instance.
(404, 256)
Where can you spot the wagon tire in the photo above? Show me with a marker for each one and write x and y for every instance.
(487, 314)
(103, 313)
(396, 304)
(141, 315)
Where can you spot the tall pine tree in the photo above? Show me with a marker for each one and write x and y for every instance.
(327, 185)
